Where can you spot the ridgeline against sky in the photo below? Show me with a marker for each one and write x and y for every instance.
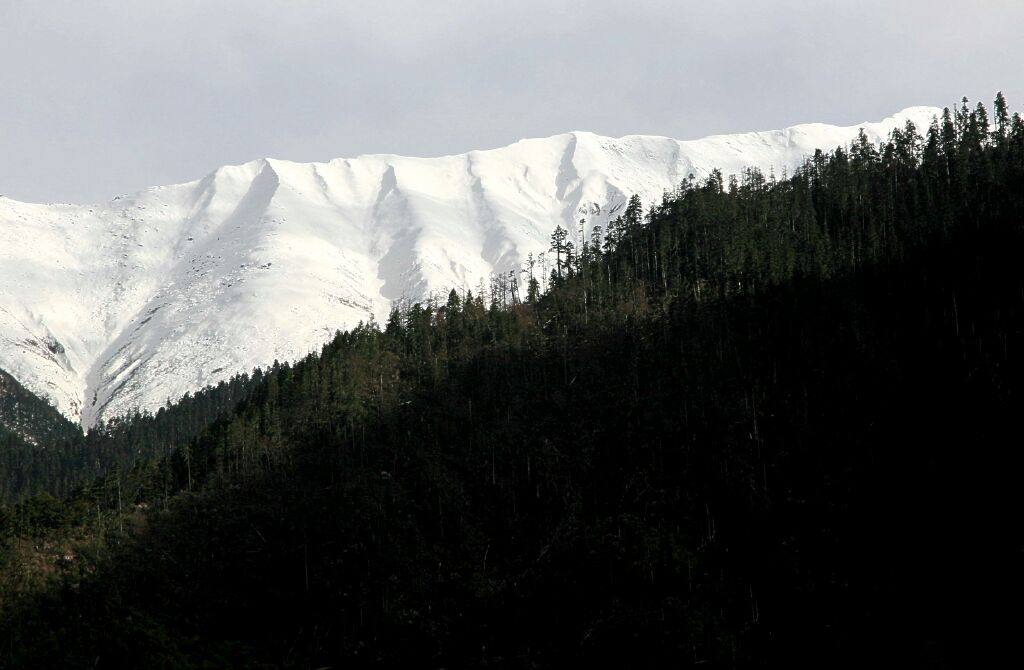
(104, 98)
(106, 309)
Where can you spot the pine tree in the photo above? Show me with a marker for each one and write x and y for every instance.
(558, 245)
(1001, 117)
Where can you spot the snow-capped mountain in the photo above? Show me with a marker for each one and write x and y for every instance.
(122, 305)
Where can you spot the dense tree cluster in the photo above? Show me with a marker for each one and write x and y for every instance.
(33, 435)
(43, 452)
(768, 421)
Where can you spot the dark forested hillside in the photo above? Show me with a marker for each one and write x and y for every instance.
(43, 452)
(32, 433)
(27, 419)
(768, 422)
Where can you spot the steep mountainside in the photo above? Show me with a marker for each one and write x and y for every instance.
(111, 307)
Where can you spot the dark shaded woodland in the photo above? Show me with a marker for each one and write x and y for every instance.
(770, 421)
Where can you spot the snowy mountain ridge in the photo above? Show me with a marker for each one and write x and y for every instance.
(127, 304)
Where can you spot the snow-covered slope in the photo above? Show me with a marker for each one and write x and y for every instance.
(127, 304)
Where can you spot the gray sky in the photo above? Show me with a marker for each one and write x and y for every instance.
(101, 98)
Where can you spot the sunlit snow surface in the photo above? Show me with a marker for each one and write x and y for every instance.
(128, 304)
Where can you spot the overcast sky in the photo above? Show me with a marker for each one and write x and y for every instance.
(102, 98)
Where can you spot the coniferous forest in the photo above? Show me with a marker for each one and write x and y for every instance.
(771, 421)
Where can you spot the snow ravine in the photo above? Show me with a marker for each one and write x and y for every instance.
(128, 304)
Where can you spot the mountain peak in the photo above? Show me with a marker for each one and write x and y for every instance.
(125, 305)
